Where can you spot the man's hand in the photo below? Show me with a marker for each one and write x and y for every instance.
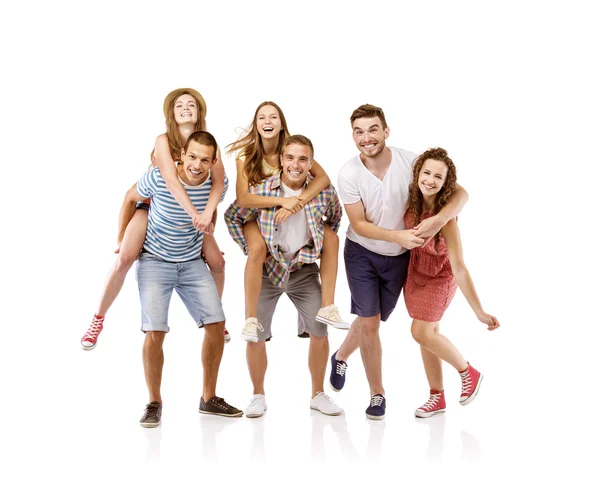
(293, 204)
(282, 215)
(407, 239)
(202, 221)
(429, 227)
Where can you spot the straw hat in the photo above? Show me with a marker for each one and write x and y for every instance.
(180, 91)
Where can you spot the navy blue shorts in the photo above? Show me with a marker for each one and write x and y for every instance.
(375, 280)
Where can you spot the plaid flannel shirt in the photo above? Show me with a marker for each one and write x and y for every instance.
(325, 204)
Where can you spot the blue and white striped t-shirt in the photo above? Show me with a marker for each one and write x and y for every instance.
(171, 234)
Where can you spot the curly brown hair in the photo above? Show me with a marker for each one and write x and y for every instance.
(442, 197)
(250, 147)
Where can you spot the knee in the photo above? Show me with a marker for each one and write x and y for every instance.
(257, 251)
(255, 347)
(218, 264)
(214, 331)
(125, 261)
(419, 334)
(319, 342)
(369, 327)
(154, 339)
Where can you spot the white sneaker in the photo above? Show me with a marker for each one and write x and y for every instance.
(331, 316)
(257, 407)
(324, 404)
(250, 330)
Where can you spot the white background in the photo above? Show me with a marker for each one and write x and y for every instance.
(509, 89)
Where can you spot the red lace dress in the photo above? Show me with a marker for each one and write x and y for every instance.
(430, 285)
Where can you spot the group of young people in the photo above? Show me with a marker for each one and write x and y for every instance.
(403, 234)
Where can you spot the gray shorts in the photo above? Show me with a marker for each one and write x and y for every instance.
(304, 290)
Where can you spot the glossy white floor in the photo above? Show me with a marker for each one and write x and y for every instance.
(510, 90)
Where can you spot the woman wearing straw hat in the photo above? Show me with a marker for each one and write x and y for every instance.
(185, 112)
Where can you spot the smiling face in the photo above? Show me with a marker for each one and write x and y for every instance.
(296, 162)
(432, 177)
(369, 135)
(268, 122)
(185, 110)
(196, 163)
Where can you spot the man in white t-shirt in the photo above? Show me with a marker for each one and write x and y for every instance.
(374, 189)
(293, 250)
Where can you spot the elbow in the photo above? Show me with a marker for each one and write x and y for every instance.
(459, 270)
(242, 201)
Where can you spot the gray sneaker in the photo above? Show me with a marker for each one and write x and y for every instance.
(151, 417)
(218, 406)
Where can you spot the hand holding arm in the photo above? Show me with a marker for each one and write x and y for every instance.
(356, 215)
(282, 215)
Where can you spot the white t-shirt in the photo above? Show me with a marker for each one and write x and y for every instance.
(385, 201)
(294, 233)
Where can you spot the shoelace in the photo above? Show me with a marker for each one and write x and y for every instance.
(254, 401)
(255, 323)
(324, 396)
(432, 402)
(221, 403)
(340, 368)
(466, 382)
(152, 409)
(376, 401)
(94, 329)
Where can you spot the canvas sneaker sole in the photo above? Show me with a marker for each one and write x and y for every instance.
(334, 414)
(374, 417)
(468, 400)
(256, 415)
(87, 348)
(333, 388)
(149, 425)
(428, 414)
(340, 325)
(222, 414)
(249, 338)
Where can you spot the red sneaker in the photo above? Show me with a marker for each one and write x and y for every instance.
(436, 404)
(227, 336)
(88, 341)
(471, 381)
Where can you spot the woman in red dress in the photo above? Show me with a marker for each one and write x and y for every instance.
(435, 270)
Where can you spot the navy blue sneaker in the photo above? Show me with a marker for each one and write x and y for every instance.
(376, 410)
(337, 377)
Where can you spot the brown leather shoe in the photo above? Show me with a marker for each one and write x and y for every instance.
(218, 406)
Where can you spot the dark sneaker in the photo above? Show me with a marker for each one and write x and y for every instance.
(376, 410)
(337, 377)
(218, 406)
(151, 417)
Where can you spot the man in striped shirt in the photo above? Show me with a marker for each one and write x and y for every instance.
(293, 249)
(170, 260)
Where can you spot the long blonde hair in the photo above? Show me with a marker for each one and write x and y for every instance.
(250, 147)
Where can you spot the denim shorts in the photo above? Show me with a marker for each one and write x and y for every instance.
(191, 280)
(375, 280)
